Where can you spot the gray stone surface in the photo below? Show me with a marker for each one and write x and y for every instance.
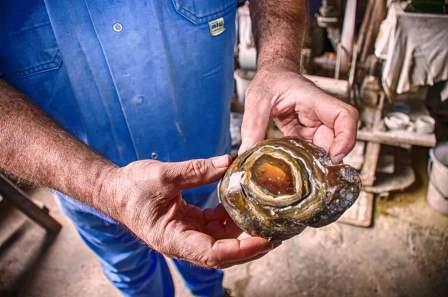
(404, 254)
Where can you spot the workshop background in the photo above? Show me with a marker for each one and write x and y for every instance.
(390, 60)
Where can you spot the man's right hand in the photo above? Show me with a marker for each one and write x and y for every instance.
(147, 199)
(145, 196)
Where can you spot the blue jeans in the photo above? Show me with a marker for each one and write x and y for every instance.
(132, 267)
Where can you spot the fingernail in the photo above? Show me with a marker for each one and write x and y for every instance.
(338, 158)
(221, 161)
(242, 149)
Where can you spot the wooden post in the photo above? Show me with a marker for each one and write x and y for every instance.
(345, 47)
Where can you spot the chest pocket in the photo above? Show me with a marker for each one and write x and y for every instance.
(29, 50)
(202, 11)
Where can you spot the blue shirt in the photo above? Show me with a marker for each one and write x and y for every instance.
(133, 79)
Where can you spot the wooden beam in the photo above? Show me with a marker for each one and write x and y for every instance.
(337, 87)
(21, 201)
(397, 138)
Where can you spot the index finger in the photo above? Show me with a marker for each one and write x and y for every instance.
(343, 119)
(345, 129)
(255, 120)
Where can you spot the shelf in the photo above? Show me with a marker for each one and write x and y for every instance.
(397, 138)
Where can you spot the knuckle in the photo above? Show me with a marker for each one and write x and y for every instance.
(352, 112)
(197, 168)
(159, 172)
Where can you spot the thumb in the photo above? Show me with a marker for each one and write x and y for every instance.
(195, 173)
(255, 122)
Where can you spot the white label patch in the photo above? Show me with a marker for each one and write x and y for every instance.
(216, 26)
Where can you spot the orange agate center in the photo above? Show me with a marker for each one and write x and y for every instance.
(273, 175)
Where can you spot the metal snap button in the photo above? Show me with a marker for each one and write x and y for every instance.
(117, 27)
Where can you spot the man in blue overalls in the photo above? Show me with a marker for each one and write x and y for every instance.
(122, 107)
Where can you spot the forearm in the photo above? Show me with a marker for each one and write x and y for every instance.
(36, 149)
(279, 28)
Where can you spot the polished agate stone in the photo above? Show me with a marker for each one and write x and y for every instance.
(278, 188)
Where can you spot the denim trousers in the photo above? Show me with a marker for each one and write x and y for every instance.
(132, 267)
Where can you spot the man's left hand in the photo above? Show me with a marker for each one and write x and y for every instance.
(300, 109)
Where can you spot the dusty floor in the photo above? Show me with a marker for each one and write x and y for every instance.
(404, 254)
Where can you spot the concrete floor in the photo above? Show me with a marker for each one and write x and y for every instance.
(404, 254)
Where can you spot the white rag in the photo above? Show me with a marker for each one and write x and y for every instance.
(415, 49)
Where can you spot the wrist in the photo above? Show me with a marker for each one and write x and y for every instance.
(105, 196)
(278, 64)
(281, 76)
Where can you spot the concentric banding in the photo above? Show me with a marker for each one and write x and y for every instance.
(279, 187)
(259, 194)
